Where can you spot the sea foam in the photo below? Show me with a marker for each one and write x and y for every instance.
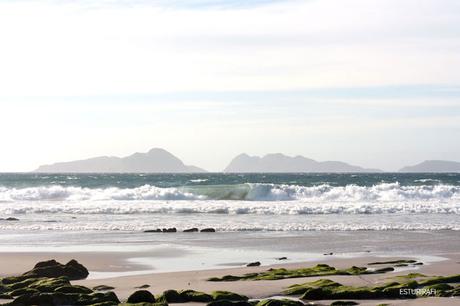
(383, 192)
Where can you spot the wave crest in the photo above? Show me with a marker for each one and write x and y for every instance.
(384, 192)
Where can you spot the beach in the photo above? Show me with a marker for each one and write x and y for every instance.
(159, 232)
(180, 261)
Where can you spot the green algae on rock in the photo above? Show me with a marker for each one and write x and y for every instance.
(325, 289)
(184, 296)
(281, 273)
(280, 302)
(141, 296)
(393, 262)
(227, 295)
(35, 288)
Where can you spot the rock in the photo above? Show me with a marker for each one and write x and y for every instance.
(158, 230)
(74, 289)
(282, 258)
(184, 296)
(103, 288)
(141, 296)
(51, 299)
(195, 296)
(171, 296)
(143, 286)
(51, 268)
(23, 291)
(59, 298)
(282, 302)
(226, 295)
(98, 298)
(11, 219)
(169, 230)
(5, 296)
(228, 303)
(208, 230)
(253, 264)
(191, 230)
(343, 303)
(384, 270)
(392, 262)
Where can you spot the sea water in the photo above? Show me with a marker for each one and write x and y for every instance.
(230, 202)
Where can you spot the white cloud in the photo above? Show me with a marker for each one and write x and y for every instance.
(51, 48)
(55, 48)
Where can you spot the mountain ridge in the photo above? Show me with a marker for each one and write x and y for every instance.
(278, 163)
(438, 166)
(156, 160)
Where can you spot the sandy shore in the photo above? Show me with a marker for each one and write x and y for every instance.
(116, 264)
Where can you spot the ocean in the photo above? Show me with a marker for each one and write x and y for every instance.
(230, 202)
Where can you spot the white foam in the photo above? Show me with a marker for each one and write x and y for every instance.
(384, 192)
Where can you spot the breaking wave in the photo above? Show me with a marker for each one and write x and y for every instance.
(384, 192)
(260, 199)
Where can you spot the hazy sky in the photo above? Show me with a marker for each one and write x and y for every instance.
(371, 82)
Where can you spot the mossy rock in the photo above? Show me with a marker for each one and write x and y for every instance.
(344, 303)
(74, 289)
(51, 268)
(56, 298)
(23, 291)
(141, 296)
(441, 280)
(97, 297)
(229, 303)
(325, 289)
(440, 290)
(103, 288)
(227, 295)
(23, 283)
(302, 288)
(105, 304)
(282, 302)
(6, 296)
(171, 296)
(195, 296)
(384, 270)
(410, 276)
(143, 304)
(318, 270)
(393, 262)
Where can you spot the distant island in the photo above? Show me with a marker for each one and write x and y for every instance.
(434, 166)
(154, 161)
(282, 163)
(161, 161)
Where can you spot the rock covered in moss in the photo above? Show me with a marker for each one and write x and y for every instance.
(281, 273)
(344, 303)
(73, 270)
(281, 302)
(184, 296)
(229, 303)
(227, 295)
(141, 296)
(103, 288)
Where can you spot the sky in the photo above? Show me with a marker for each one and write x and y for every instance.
(375, 83)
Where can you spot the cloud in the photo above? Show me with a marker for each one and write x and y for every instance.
(50, 48)
(330, 79)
